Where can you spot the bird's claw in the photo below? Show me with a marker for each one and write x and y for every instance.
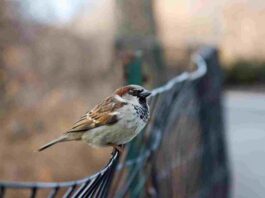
(119, 148)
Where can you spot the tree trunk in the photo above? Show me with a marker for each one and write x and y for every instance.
(136, 30)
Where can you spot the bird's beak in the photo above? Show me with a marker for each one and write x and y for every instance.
(145, 94)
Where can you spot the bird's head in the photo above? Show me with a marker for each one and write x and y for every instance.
(133, 93)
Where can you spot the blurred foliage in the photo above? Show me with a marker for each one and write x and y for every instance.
(50, 74)
(245, 72)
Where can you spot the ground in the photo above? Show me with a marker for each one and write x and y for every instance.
(245, 119)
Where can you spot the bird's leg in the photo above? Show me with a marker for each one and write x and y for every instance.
(122, 147)
(119, 148)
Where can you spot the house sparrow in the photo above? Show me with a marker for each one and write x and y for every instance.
(114, 122)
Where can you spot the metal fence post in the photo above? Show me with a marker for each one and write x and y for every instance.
(133, 69)
(134, 76)
(215, 170)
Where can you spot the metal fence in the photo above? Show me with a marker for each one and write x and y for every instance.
(181, 153)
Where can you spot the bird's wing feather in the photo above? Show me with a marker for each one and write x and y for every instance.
(102, 114)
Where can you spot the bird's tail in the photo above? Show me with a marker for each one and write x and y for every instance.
(60, 139)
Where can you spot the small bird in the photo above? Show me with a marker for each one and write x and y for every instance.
(114, 122)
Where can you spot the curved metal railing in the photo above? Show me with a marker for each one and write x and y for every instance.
(104, 183)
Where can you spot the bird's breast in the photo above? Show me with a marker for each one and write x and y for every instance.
(134, 118)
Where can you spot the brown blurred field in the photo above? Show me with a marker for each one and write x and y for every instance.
(50, 76)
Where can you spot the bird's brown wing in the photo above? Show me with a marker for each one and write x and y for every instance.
(102, 114)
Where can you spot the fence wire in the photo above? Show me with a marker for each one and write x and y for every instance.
(181, 153)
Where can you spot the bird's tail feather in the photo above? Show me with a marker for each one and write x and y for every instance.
(60, 139)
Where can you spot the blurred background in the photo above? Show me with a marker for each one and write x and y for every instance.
(59, 58)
